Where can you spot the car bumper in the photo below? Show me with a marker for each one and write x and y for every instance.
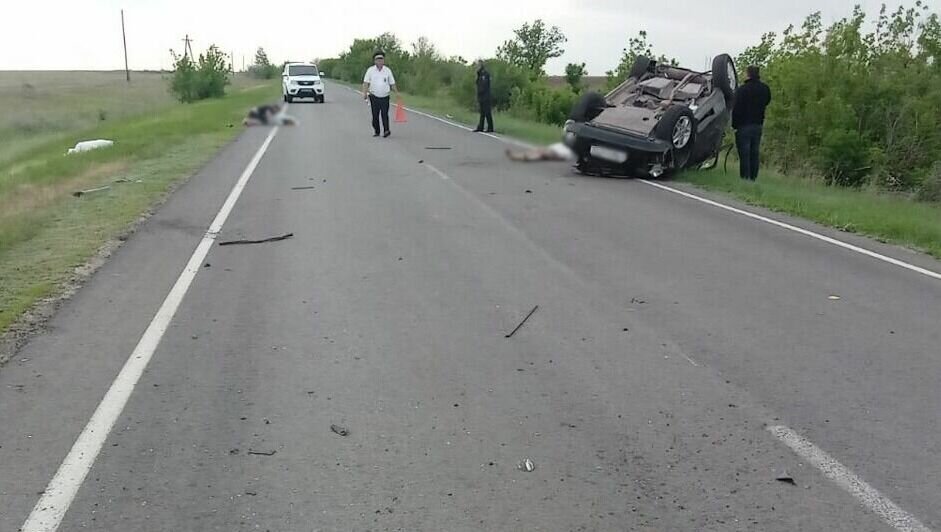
(306, 92)
(591, 135)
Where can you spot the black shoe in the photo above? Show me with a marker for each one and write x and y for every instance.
(386, 134)
(478, 130)
(376, 134)
(490, 130)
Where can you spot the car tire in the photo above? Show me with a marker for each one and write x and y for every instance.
(284, 97)
(640, 67)
(724, 75)
(588, 107)
(678, 126)
(288, 98)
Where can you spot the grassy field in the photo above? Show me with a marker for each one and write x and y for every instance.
(886, 217)
(45, 232)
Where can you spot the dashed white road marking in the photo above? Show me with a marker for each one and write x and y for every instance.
(48, 513)
(729, 208)
(868, 496)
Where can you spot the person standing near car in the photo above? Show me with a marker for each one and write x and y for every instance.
(484, 99)
(378, 84)
(748, 118)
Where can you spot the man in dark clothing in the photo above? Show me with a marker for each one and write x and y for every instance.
(483, 98)
(748, 118)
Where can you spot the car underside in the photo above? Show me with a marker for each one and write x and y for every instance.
(660, 120)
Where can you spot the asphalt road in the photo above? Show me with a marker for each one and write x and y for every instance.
(669, 336)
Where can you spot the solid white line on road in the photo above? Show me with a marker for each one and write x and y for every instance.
(805, 232)
(48, 513)
(876, 502)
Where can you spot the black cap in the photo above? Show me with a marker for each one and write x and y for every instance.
(379, 53)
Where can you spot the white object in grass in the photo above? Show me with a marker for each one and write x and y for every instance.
(88, 145)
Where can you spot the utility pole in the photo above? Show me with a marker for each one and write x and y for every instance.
(187, 49)
(127, 71)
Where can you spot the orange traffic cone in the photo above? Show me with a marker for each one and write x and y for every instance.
(400, 112)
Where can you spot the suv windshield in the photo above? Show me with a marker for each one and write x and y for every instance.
(302, 70)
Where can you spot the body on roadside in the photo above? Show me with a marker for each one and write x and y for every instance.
(748, 118)
(484, 98)
(378, 84)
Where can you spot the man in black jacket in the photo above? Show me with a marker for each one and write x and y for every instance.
(748, 118)
(483, 98)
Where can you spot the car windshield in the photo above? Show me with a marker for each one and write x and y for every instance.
(302, 70)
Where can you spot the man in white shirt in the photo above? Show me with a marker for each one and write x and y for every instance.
(378, 83)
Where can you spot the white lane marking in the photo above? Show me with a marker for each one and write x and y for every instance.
(48, 513)
(805, 232)
(441, 174)
(876, 502)
(830, 467)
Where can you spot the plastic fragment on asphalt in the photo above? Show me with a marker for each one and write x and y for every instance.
(527, 465)
(834, 298)
(262, 241)
(518, 327)
(340, 431)
(262, 453)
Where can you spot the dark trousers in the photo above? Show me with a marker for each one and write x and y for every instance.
(380, 108)
(486, 113)
(748, 140)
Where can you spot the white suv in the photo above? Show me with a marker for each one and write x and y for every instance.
(301, 80)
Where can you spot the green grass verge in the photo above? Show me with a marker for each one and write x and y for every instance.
(886, 217)
(45, 232)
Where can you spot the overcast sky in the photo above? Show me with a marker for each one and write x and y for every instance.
(77, 34)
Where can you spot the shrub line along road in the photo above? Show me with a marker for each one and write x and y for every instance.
(682, 360)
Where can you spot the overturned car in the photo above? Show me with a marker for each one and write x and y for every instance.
(660, 120)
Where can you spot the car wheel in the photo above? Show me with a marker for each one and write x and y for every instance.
(641, 66)
(588, 107)
(288, 98)
(724, 75)
(678, 127)
(285, 97)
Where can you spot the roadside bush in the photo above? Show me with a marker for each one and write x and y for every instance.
(205, 78)
(542, 103)
(859, 99)
(930, 189)
(507, 81)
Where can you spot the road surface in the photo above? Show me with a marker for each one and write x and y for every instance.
(682, 358)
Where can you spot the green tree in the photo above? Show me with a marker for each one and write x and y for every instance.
(197, 80)
(532, 46)
(262, 67)
(636, 47)
(574, 72)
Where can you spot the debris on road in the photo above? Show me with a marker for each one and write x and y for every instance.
(340, 431)
(262, 453)
(786, 478)
(529, 191)
(89, 145)
(421, 161)
(80, 193)
(834, 297)
(518, 327)
(437, 147)
(302, 188)
(527, 465)
(207, 265)
(262, 241)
